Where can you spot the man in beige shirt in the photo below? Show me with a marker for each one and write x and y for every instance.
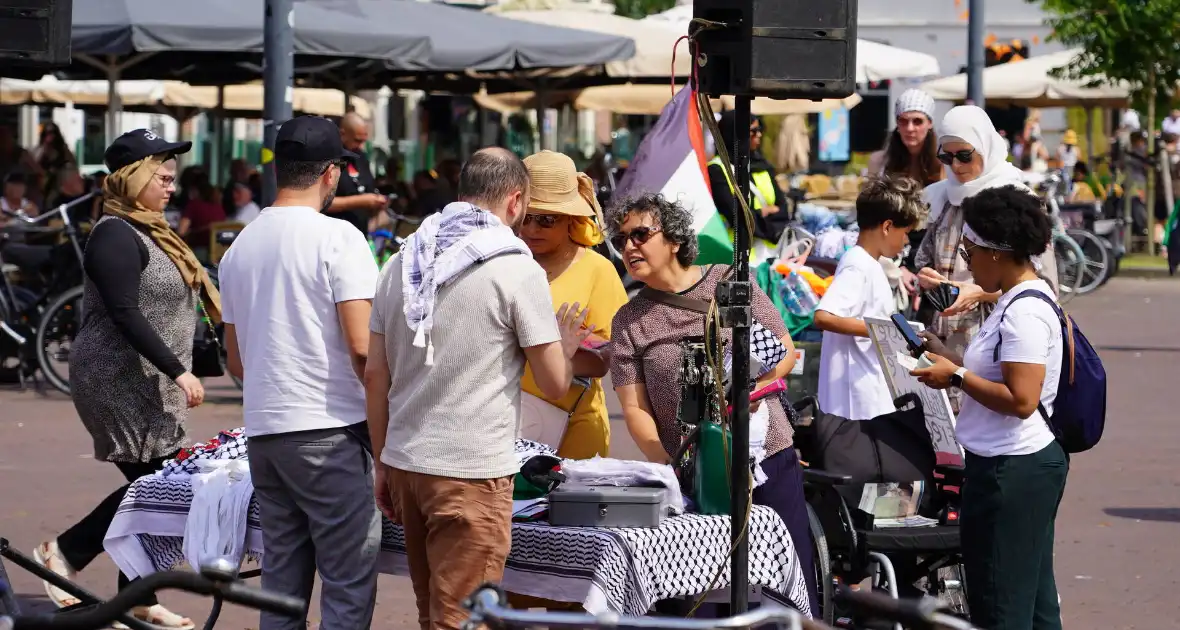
(456, 315)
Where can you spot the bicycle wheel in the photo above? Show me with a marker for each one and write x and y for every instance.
(59, 324)
(1097, 259)
(1070, 262)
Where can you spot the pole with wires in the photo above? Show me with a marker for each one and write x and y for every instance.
(734, 299)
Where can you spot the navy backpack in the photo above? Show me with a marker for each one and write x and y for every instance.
(1079, 411)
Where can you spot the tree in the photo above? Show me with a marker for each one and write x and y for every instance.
(639, 9)
(1122, 40)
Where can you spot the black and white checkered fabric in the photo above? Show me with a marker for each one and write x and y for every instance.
(629, 569)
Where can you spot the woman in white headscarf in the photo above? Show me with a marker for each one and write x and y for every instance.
(976, 158)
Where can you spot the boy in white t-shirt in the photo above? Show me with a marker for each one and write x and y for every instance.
(851, 381)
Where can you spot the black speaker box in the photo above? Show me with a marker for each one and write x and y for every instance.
(776, 48)
(35, 32)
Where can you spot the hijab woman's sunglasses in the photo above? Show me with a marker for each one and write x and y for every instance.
(638, 236)
(964, 157)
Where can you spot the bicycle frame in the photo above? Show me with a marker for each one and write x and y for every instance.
(70, 230)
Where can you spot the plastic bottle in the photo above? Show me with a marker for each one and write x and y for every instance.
(798, 296)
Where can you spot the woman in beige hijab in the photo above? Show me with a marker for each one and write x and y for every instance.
(562, 225)
(130, 362)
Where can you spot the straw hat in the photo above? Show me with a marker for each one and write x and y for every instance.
(1070, 137)
(556, 186)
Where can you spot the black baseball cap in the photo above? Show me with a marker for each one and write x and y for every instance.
(311, 139)
(135, 145)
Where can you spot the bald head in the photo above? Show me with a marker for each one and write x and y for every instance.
(354, 131)
(496, 180)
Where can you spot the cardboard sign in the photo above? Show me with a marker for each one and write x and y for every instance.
(940, 420)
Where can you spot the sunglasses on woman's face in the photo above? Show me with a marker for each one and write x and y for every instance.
(964, 157)
(638, 236)
(965, 252)
(543, 221)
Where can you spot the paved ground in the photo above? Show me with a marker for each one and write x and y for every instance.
(1116, 549)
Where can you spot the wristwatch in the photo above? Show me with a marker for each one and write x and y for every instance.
(957, 377)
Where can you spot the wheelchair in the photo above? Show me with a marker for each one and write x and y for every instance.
(902, 561)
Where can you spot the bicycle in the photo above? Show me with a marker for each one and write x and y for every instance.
(1083, 260)
(23, 311)
(488, 607)
(218, 580)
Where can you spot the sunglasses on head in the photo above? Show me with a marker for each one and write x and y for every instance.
(638, 236)
(964, 157)
(543, 221)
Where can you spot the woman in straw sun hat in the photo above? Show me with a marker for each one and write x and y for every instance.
(563, 223)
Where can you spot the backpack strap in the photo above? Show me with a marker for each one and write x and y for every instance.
(1066, 333)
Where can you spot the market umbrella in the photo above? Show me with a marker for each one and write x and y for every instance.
(1028, 83)
(874, 62)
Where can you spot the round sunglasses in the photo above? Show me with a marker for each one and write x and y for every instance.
(638, 236)
(543, 221)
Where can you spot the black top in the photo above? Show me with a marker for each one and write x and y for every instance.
(768, 228)
(115, 258)
(356, 179)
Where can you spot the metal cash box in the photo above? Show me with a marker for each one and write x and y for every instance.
(574, 505)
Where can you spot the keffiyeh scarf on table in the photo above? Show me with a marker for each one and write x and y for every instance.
(444, 246)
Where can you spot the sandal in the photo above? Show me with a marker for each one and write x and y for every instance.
(48, 555)
(157, 615)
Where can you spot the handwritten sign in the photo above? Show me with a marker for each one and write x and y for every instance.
(940, 420)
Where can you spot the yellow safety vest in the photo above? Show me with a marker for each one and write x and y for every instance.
(761, 186)
(761, 189)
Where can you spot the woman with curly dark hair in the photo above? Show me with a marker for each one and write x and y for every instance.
(1015, 468)
(659, 245)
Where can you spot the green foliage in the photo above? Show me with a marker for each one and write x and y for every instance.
(1128, 40)
(639, 9)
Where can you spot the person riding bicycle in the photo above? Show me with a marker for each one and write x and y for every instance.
(130, 362)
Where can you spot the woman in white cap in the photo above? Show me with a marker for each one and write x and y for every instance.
(911, 150)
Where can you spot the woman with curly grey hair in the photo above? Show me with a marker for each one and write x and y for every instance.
(659, 246)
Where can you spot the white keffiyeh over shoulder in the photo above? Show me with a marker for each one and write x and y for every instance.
(444, 246)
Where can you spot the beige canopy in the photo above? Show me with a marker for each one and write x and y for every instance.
(171, 94)
(647, 100)
(1028, 83)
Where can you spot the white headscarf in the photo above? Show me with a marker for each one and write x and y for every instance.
(970, 124)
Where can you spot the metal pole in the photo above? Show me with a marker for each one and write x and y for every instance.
(975, 28)
(278, 84)
(739, 303)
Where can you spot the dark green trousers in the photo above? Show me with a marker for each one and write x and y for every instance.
(1009, 508)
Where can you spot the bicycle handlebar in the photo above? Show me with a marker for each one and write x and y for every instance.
(914, 613)
(215, 581)
(488, 606)
(61, 209)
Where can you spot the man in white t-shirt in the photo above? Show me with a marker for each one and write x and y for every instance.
(851, 381)
(443, 381)
(297, 289)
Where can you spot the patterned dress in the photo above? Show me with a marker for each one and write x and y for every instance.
(133, 412)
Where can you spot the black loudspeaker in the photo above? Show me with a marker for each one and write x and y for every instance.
(35, 32)
(776, 48)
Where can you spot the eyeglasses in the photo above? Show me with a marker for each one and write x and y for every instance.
(911, 121)
(543, 221)
(965, 252)
(166, 180)
(754, 131)
(964, 157)
(638, 236)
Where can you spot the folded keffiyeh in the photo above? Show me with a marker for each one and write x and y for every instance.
(444, 246)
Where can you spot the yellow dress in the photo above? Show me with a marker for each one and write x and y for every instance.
(590, 281)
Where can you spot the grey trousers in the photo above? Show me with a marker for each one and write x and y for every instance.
(315, 498)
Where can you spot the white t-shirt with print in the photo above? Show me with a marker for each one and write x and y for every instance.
(280, 283)
(851, 382)
(1030, 332)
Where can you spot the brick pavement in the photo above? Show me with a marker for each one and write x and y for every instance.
(1116, 530)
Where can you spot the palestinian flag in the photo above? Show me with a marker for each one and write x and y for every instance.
(671, 160)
